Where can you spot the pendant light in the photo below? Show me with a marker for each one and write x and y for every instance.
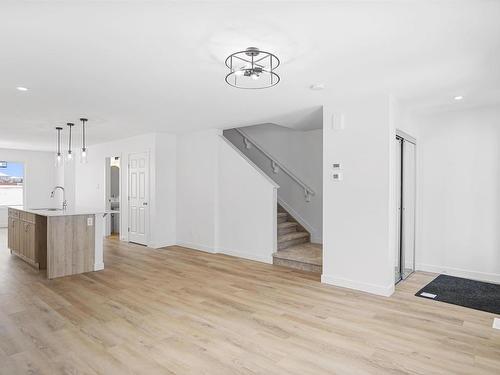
(58, 154)
(69, 156)
(83, 157)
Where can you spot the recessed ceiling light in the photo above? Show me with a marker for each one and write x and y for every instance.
(458, 97)
(318, 86)
(21, 88)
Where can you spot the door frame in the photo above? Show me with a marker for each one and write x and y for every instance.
(127, 198)
(405, 137)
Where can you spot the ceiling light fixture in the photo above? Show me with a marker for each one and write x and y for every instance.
(458, 97)
(21, 88)
(69, 156)
(58, 154)
(252, 69)
(83, 157)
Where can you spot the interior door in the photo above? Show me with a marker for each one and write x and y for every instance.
(138, 220)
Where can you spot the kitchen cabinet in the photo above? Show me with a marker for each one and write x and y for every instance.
(27, 237)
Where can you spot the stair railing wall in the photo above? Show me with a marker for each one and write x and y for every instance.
(276, 165)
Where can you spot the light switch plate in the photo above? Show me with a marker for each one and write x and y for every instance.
(336, 166)
(90, 221)
(338, 122)
(338, 176)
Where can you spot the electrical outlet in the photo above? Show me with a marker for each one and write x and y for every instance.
(90, 221)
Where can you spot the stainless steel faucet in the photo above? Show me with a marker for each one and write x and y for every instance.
(64, 204)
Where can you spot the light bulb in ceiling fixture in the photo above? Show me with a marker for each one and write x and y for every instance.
(458, 97)
(84, 156)
(21, 88)
(58, 159)
(254, 76)
(239, 72)
(69, 156)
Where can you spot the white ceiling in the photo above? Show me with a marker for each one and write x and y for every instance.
(133, 67)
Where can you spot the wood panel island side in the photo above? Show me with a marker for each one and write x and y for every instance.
(64, 242)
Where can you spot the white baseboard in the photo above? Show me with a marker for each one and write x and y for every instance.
(380, 290)
(249, 256)
(98, 266)
(161, 245)
(475, 275)
(205, 248)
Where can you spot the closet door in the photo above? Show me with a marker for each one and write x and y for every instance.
(397, 263)
(409, 193)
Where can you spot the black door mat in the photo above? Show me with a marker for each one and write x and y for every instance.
(473, 294)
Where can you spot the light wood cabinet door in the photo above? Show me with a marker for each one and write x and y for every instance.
(28, 239)
(10, 235)
(16, 235)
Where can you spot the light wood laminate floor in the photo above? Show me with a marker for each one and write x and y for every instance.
(186, 312)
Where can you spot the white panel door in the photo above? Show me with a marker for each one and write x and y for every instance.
(138, 172)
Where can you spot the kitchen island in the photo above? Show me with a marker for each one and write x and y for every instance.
(64, 242)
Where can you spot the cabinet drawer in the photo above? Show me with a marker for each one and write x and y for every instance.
(13, 213)
(26, 216)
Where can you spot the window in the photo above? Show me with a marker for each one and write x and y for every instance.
(11, 183)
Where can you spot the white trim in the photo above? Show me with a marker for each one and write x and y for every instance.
(162, 245)
(98, 266)
(496, 323)
(257, 169)
(249, 256)
(468, 274)
(194, 246)
(314, 234)
(380, 290)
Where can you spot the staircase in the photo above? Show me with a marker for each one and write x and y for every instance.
(294, 247)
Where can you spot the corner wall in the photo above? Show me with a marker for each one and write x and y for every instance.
(458, 201)
(357, 224)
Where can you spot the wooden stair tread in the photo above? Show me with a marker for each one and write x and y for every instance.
(287, 224)
(308, 253)
(292, 236)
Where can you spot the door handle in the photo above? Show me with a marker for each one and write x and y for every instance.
(144, 203)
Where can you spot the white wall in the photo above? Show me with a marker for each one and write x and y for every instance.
(302, 153)
(458, 215)
(164, 221)
(247, 198)
(196, 189)
(357, 212)
(39, 178)
(90, 180)
(224, 203)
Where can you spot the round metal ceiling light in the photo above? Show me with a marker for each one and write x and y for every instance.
(252, 69)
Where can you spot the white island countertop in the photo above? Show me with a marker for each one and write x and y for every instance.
(60, 212)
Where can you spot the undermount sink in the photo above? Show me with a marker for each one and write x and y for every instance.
(46, 209)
